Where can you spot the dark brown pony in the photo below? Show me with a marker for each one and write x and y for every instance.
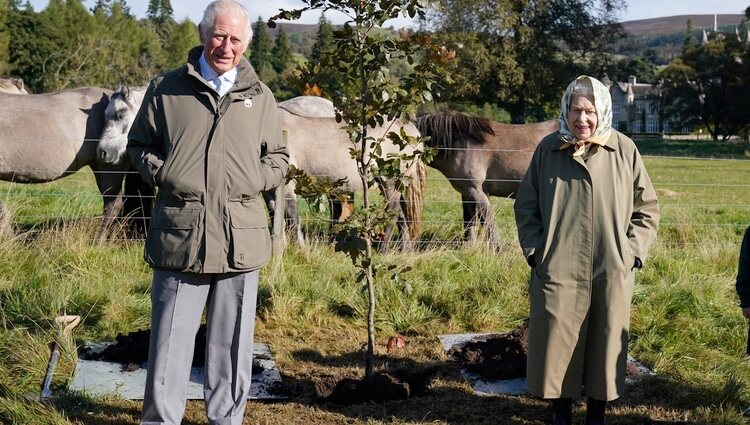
(480, 158)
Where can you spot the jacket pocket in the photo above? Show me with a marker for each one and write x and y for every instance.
(174, 236)
(250, 240)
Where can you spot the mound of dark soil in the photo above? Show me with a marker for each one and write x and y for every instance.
(503, 356)
(382, 387)
(132, 350)
(495, 357)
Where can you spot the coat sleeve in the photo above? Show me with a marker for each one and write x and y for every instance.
(527, 209)
(274, 154)
(743, 271)
(145, 139)
(644, 221)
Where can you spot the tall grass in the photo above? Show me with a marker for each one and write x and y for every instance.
(686, 324)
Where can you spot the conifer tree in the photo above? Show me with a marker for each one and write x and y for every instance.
(261, 47)
(160, 14)
(328, 79)
(282, 52)
(323, 41)
(688, 42)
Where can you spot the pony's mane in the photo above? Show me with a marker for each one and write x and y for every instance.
(453, 130)
(132, 96)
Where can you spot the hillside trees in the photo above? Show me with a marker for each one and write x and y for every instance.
(281, 57)
(66, 46)
(282, 60)
(261, 51)
(709, 86)
(4, 36)
(326, 76)
(183, 37)
(161, 16)
(519, 54)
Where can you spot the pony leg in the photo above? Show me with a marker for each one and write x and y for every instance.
(471, 220)
(393, 205)
(291, 215)
(487, 218)
(138, 203)
(6, 225)
(292, 218)
(109, 181)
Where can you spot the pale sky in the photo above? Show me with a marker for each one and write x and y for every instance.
(637, 9)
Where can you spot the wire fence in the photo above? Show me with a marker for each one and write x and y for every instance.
(705, 200)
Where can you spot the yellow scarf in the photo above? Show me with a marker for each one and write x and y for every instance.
(580, 145)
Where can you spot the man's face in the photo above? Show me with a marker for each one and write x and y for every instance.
(225, 43)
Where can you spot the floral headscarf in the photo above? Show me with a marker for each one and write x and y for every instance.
(603, 105)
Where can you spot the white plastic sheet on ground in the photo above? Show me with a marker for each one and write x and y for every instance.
(96, 377)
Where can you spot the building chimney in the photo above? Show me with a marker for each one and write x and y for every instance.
(631, 80)
(716, 22)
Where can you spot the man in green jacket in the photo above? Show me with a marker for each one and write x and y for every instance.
(208, 136)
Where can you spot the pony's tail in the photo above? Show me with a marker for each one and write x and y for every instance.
(415, 198)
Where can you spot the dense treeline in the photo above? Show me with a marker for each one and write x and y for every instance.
(67, 45)
(513, 59)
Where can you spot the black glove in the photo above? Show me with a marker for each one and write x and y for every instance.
(530, 260)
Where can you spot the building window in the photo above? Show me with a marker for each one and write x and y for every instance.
(638, 106)
(652, 126)
(667, 129)
(637, 127)
(616, 107)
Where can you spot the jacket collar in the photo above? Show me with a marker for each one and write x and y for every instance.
(247, 83)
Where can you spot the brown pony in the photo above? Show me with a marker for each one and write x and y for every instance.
(480, 158)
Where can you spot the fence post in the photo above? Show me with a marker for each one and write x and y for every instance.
(279, 239)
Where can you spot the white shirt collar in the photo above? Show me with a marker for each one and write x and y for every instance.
(211, 76)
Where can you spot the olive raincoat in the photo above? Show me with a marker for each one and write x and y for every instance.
(584, 223)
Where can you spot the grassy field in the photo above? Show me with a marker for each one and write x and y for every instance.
(686, 325)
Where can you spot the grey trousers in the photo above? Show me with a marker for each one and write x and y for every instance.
(177, 302)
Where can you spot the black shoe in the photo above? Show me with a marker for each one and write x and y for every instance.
(562, 411)
(595, 411)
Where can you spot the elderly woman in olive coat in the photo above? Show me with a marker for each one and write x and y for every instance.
(586, 214)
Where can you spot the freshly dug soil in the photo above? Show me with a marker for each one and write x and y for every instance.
(495, 357)
(503, 356)
(132, 350)
(382, 387)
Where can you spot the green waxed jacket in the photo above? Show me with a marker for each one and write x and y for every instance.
(213, 156)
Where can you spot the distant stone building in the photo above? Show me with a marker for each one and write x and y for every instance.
(635, 108)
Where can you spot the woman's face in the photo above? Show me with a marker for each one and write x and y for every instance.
(582, 118)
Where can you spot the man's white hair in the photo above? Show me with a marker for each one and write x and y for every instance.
(224, 7)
